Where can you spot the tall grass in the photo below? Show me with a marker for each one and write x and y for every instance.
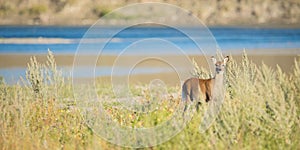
(260, 111)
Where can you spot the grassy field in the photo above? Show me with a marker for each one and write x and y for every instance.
(260, 111)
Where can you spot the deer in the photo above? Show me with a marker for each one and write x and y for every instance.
(192, 88)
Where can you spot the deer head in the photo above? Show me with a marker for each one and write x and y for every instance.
(220, 65)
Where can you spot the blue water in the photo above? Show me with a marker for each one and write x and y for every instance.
(227, 38)
(65, 40)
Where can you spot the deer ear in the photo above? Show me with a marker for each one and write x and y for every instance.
(213, 59)
(226, 59)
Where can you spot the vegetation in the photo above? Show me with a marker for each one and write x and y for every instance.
(260, 111)
(101, 11)
(213, 12)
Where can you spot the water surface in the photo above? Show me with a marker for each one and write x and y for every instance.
(64, 40)
(32, 40)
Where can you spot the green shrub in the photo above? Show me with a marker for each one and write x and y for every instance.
(101, 11)
(5, 9)
(36, 10)
(260, 111)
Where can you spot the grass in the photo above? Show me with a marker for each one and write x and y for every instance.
(269, 13)
(260, 111)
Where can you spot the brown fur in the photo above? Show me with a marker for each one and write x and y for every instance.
(206, 86)
(194, 87)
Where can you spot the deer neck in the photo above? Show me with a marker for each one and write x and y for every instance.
(218, 87)
(218, 79)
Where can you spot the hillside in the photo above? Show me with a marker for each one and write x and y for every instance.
(213, 12)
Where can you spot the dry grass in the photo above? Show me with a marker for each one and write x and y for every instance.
(261, 111)
(56, 12)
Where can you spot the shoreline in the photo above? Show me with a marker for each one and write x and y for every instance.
(10, 62)
(283, 58)
(266, 26)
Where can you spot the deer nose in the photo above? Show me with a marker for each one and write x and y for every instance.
(218, 69)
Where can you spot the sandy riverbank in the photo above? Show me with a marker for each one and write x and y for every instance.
(284, 58)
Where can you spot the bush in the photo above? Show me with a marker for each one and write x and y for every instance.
(260, 111)
(5, 9)
(101, 11)
(36, 10)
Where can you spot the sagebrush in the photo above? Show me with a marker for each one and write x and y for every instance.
(260, 111)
